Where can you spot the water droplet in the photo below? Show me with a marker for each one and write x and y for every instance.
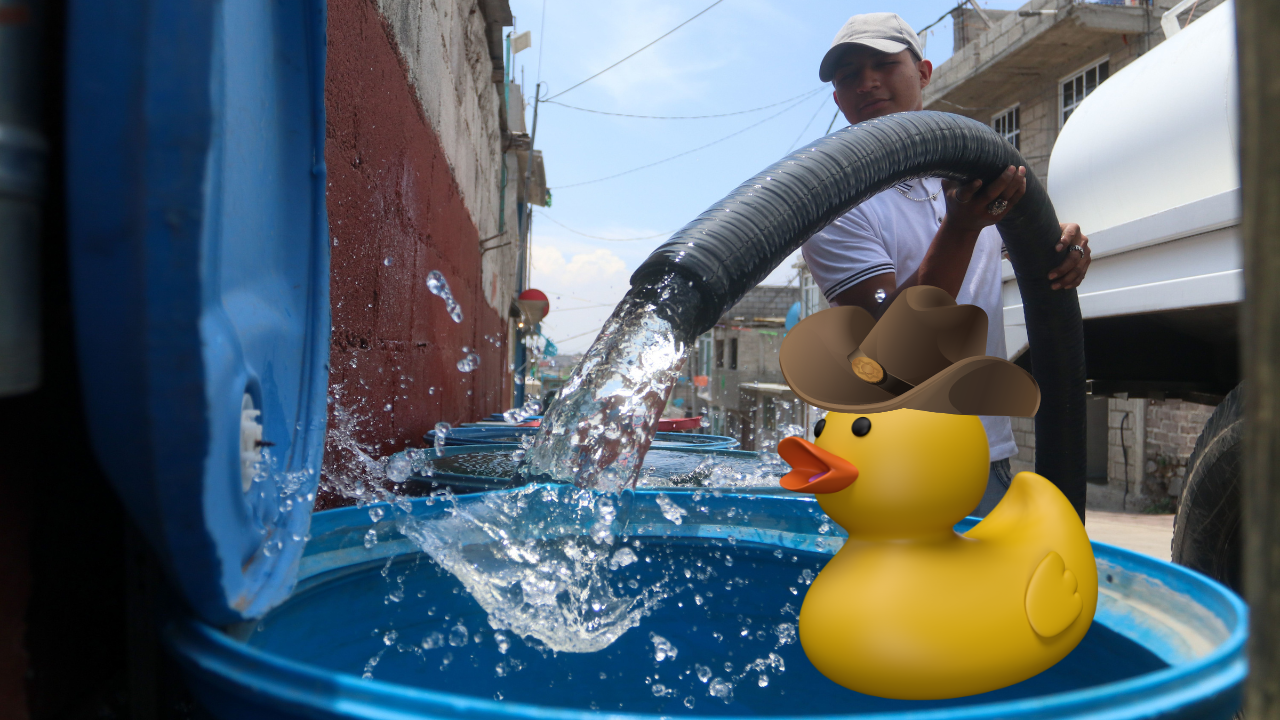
(387, 261)
(670, 510)
(376, 513)
(442, 434)
(662, 648)
(439, 286)
(705, 422)
(370, 538)
(703, 672)
(390, 637)
(880, 295)
(458, 635)
(469, 362)
(723, 689)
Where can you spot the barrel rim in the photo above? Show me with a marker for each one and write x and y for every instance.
(255, 673)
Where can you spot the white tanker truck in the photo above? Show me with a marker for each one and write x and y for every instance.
(1148, 166)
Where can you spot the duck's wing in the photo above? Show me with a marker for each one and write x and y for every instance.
(1053, 602)
(1036, 517)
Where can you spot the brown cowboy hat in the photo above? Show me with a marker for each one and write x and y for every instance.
(926, 353)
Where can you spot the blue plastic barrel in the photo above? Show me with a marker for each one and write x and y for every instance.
(471, 434)
(1165, 642)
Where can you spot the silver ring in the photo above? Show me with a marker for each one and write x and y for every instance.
(998, 206)
(1077, 248)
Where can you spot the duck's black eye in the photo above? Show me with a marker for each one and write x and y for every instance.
(819, 427)
(861, 426)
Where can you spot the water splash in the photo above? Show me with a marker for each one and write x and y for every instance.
(518, 415)
(537, 559)
(439, 286)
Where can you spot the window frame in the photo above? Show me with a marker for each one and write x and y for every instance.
(733, 353)
(1072, 76)
(1016, 110)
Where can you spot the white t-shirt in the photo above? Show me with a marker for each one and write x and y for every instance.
(891, 233)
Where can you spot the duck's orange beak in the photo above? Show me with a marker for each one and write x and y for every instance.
(814, 470)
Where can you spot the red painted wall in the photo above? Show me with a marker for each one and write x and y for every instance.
(395, 214)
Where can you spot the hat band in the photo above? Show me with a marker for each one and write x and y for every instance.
(870, 371)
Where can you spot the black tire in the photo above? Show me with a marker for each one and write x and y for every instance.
(1206, 530)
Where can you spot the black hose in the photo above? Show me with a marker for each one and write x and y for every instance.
(737, 242)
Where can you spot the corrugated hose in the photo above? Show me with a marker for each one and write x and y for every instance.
(738, 241)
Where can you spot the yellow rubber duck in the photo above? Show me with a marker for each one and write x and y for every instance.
(908, 608)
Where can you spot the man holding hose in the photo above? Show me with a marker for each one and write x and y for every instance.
(921, 232)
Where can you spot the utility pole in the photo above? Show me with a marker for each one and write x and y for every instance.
(1257, 27)
(522, 282)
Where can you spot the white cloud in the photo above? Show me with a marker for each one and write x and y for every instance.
(549, 262)
(583, 283)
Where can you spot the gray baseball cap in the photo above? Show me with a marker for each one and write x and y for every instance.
(881, 31)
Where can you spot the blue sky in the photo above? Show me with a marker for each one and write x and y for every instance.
(739, 55)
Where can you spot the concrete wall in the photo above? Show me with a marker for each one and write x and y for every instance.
(443, 47)
(414, 164)
(1032, 81)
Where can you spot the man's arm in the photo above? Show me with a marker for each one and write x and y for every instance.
(947, 260)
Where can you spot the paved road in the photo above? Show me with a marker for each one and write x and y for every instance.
(1148, 534)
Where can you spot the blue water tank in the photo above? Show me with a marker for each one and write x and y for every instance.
(200, 266)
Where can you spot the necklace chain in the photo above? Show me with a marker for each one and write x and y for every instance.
(906, 194)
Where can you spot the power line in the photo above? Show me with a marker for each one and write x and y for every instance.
(685, 117)
(799, 137)
(593, 77)
(833, 120)
(542, 42)
(597, 237)
(686, 152)
(575, 337)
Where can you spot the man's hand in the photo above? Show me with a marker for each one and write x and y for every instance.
(1071, 272)
(970, 206)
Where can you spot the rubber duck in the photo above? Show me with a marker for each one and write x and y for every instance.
(908, 608)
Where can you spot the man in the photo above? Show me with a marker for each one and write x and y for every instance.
(921, 232)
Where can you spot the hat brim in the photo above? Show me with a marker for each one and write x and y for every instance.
(814, 359)
(831, 61)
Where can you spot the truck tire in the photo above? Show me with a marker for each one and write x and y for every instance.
(1206, 529)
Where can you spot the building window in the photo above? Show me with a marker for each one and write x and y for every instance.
(733, 353)
(1077, 87)
(720, 353)
(704, 355)
(1009, 125)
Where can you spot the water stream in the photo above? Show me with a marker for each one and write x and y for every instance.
(597, 432)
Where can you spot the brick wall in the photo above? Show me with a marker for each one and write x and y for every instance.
(398, 209)
(1148, 445)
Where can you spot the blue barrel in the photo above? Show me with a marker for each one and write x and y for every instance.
(474, 434)
(1166, 642)
(199, 253)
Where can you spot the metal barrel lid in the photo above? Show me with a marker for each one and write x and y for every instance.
(200, 275)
